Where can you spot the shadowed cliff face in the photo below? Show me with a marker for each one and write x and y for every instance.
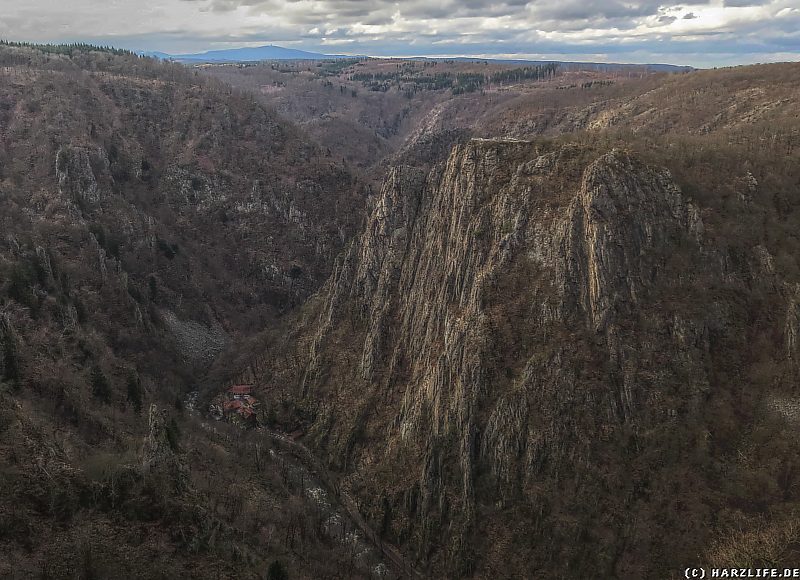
(513, 362)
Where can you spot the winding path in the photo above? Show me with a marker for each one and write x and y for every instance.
(315, 467)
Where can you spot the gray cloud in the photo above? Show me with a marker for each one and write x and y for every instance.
(714, 32)
(743, 3)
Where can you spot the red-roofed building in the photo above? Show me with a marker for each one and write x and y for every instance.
(238, 404)
(233, 405)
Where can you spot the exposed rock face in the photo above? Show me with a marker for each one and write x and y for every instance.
(76, 177)
(607, 250)
(156, 447)
(792, 326)
(158, 453)
(511, 329)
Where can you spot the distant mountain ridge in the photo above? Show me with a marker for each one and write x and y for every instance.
(274, 52)
(244, 54)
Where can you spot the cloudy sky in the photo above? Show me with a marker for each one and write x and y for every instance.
(695, 32)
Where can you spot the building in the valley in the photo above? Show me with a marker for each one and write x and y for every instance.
(237, 404)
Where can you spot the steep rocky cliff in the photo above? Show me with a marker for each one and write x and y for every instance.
(521, 366)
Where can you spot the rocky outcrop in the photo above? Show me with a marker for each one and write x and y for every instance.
(623, 214)
(159, 457)
(792, 325)
(512, 317)
(156, 446)
(75, 175)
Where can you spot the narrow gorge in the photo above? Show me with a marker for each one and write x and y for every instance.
(375, 318)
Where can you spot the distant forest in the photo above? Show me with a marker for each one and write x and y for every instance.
(410, 80)
(68, 49)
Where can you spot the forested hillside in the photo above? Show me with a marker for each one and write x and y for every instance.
(374, 319)
(150, 218)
